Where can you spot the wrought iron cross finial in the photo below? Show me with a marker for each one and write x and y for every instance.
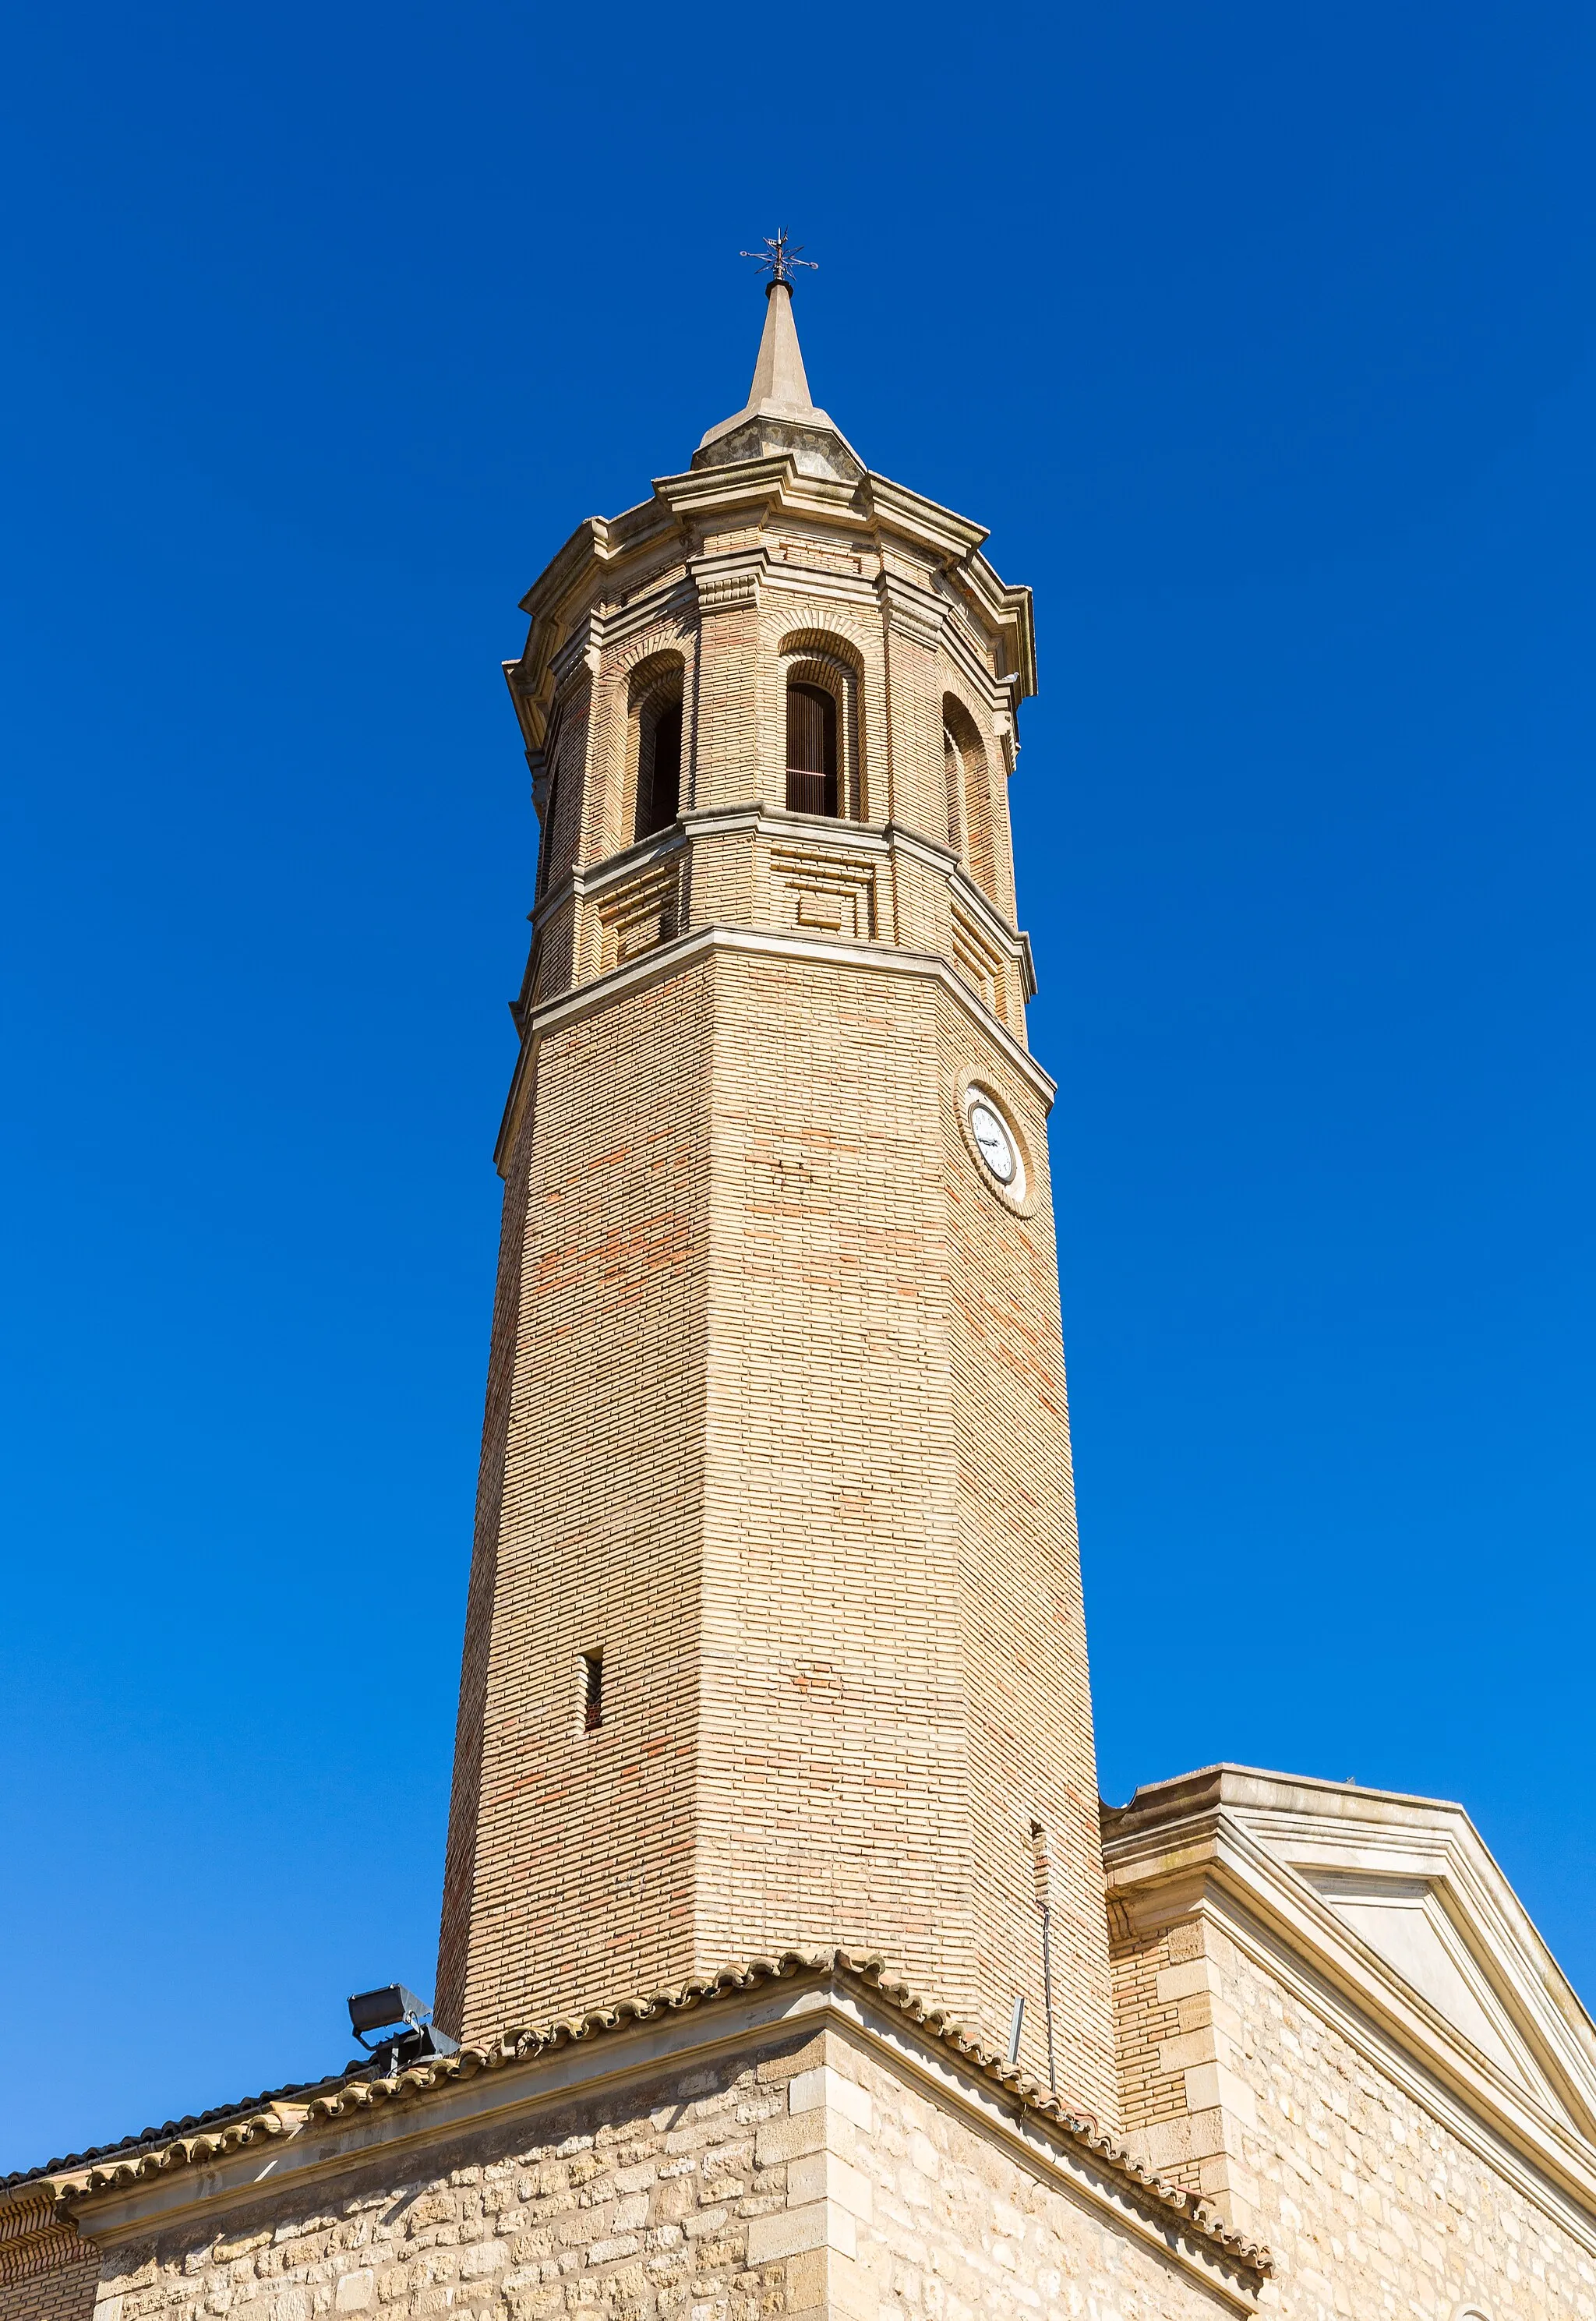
(780, 256)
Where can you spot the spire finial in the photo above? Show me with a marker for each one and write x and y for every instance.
(780, 415)
(780, 256)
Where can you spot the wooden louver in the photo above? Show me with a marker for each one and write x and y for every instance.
(812, 750)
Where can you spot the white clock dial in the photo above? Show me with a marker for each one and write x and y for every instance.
(994, 1142)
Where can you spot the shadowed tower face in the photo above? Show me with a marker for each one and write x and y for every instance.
(774, 1634)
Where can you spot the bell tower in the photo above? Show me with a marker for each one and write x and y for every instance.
(774, 1634)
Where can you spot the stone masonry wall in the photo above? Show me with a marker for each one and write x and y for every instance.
(1148, 2023)
(1376, 2210)
(953, 2224)
(640, 2207)
(811, 2180)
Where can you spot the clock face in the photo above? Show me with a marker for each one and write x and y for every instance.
(993, 1141)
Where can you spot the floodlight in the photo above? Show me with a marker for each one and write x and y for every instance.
(370, 2011)
(410, 2037)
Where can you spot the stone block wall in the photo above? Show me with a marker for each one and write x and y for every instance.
(1376, 2207)
(643, 2208)
(811, 2171)
(950, 2222)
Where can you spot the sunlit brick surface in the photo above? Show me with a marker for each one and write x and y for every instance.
(776, 1414)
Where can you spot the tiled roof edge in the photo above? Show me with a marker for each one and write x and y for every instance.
(331, 2099)
(149, 2137)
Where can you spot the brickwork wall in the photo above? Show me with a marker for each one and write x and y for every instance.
(917, 766)
(561, 843)
(47, 2272)
(834, 1805)
(787, 1439)
(1021, 1620)
(969, 812)
(736, 652)
(792, 624)
(630, 669)
(465, 1826)
(724, 742)
(581, 1881)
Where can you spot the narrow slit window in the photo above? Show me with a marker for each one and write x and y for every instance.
(593, 1690)
(812, 750)
(1041, 1857)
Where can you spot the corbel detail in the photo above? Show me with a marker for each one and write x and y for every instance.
(911, 612)
(581, 650)
(727, 583)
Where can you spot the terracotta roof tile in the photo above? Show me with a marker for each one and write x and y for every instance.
(209, 2134)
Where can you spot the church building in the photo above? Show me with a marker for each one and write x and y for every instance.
(789, 1964)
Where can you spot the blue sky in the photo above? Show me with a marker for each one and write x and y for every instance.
(1262, 342)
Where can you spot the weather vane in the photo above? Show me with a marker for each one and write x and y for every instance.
(780, 256)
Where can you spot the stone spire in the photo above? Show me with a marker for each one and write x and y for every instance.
(778, 415)
(779, 381)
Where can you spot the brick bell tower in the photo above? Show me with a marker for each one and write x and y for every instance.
(774, 1634)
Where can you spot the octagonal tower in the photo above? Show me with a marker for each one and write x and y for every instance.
(775, 1633)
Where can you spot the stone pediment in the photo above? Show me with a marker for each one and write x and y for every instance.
(1404, 1921)
(1396, 1903)
(1410, 1879)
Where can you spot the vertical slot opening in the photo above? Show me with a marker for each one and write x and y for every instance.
(1041, 1859)
(593, 1690)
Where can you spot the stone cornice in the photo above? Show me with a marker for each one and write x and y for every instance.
(684, 505)
(1214, 1840)
(671, 958)
(352, 2123)
(997, 693)
(726, 581)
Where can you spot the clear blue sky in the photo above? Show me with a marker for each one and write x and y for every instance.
(1261, 339)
